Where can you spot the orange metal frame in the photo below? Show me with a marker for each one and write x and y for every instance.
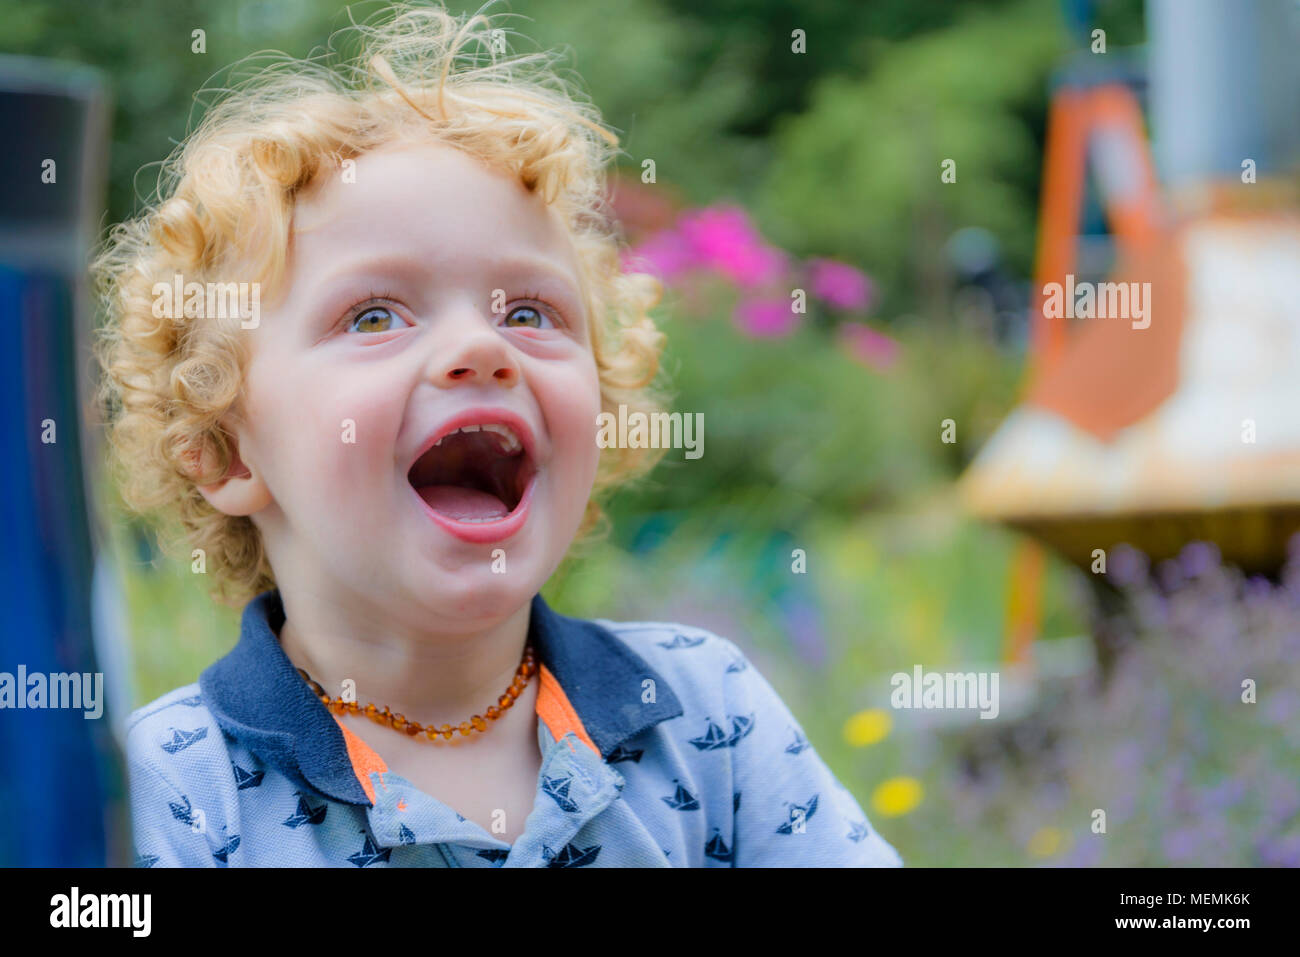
(1109, 119)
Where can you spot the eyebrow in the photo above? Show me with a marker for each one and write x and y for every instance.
(535, 266)
(411, 268)
(407, 266)
(517, 265)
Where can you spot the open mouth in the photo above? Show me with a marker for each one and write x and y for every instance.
(477, 474)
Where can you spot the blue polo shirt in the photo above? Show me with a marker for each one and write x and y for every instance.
(661, 745)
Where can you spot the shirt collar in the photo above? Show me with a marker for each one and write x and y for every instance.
(258, 698)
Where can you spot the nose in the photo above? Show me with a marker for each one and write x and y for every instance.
(468, 348)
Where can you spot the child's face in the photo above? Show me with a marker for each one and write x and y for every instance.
(428, 288)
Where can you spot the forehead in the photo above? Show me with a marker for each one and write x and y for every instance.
(431, 201)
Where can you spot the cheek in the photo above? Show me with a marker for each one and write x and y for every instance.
(320, 435)
(351, 436)
(570, 400)
(589, 415)
(581, 404)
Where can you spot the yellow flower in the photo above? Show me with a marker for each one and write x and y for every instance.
(897, 796)
(867, 727)
(1046, 841)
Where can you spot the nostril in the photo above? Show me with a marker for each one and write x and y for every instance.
(457, 373)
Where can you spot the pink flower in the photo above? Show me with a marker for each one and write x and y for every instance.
(665, 254)
(840, 285)
(724, 239)
(874, 349)
(766, 318)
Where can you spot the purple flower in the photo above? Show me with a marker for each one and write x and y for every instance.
(1181, 843)
(840, 285)
(1222, 796)
(1199, 558)
(1280, 852)
(1258, 587)
(1283, 802)
(1169, 574)
(1123, 804)
(1280, 707)
(1085, 853)
(1128, 757)
(1291, 578)
(1128, 566)
(1293, 546)
(766, 318)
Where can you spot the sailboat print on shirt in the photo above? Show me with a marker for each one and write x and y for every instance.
(495, 855)
(740, 726)
(306, 814)
(558, 788)
(145, 860)
(227, 849)
(182, 812)
(570, 856)
(713, 738)
(682, 799)
(181, 740)
(808, 810)
(621, 753)
(247, 779)
(716, 847)
(681, 641)
(800, 743)
(405, 835)
(369, 853)
(858, 831)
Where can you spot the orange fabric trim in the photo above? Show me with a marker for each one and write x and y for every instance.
(554, 708)
(364, 760)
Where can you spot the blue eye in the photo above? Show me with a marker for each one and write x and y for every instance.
(373, 319)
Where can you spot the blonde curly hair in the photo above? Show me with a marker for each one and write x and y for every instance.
(227, 195)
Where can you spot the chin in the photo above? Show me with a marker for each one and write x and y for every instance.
(476, 593)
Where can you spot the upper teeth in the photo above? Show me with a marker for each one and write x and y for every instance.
(509, 441)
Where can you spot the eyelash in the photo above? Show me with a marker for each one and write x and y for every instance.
(374, 299)
(553, 312)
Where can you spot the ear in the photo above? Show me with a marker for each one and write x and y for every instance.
(241, 491)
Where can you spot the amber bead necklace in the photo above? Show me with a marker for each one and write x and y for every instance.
(413, 728)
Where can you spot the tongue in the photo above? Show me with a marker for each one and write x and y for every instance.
(460, 503)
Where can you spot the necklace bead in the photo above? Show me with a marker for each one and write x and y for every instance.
(398, 722)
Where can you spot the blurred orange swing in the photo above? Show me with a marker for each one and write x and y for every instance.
(1186, 429)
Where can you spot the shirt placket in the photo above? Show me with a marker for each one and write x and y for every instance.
(575, 785)
(404, 815)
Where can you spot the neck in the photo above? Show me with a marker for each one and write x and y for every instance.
(435, 673)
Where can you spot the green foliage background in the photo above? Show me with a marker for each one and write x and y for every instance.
(835, 152)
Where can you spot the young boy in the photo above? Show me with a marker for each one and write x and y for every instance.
(391, 446)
